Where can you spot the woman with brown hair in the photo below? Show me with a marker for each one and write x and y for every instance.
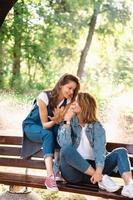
(41, 125)
(83, 149)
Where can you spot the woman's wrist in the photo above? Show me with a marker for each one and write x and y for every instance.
(66, 122)
(48, 124)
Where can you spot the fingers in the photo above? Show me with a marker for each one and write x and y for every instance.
(92, 180)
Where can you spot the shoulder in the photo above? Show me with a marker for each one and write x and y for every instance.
(98, 128)
(44, 97)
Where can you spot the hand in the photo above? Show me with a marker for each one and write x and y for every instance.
(70, 113)
(96, 177)
(58, 115)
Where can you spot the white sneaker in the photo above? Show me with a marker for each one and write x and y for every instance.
(108, 184)
(127, 190)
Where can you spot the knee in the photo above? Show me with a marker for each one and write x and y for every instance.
(47, 135)
(121, 151)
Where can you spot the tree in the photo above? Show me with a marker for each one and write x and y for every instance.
(115, 13)
(17, 35)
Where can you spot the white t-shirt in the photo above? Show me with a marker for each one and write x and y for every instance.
(84, 147)
(44, 97)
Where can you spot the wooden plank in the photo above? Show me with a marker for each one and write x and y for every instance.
(16, 151)
(11, 151)
(110, 146)
(38, 182)
(10, 140)
(14, 162)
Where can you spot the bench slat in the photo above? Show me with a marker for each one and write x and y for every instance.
(10, 140)
(14, 162)
(15, 151)
(38, 182)
(12, 151)
(110, 146)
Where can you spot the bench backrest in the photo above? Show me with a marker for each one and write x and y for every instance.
(10, 151)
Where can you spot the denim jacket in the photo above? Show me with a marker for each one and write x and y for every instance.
(95, 134)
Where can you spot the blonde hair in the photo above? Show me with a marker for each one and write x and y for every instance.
(88, 106)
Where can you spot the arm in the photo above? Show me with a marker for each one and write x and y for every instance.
(44, 115)
(64, 132)
(99, 144)
(64, 135)
(99, 151)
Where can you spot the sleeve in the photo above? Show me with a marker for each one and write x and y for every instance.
(99, 144)
(64, 135)
(44, 97)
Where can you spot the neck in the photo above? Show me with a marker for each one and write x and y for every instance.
(80, 120)
(60, 98)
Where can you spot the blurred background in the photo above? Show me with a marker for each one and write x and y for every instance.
(40, 40)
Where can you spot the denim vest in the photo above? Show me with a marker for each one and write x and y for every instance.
(95, 134)
(29, 148)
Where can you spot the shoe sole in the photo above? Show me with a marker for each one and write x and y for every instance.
(52, 189)
(102, 188)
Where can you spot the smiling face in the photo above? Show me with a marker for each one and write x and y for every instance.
(67, 90)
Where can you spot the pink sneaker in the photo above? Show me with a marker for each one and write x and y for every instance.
(50, 184)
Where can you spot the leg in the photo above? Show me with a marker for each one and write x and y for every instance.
(44, 136)
(37, 134)
(117, 158)
(73, 166)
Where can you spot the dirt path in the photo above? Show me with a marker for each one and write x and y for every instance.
(11, 117)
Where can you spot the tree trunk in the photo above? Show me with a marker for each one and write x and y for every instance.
(1, 66)
(87, 44)
(5, 6)
(18, 23)
(2, 32)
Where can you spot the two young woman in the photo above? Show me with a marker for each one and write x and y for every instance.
(83, 154)
(41, 125)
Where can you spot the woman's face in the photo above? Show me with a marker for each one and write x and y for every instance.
(68, 89)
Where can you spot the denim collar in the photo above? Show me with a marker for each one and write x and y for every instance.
(75, 122)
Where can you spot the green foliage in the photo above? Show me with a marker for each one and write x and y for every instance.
(52, 34)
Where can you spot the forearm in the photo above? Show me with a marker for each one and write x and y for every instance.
(64, 135)
(49, 124)
(99, 170)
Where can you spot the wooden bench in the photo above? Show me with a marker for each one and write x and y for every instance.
(10, 149)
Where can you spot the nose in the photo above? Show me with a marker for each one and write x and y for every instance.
(71, 91)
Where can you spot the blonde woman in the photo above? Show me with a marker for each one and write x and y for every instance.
(83, 149)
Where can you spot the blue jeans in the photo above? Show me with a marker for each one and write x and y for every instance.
(73, 165)
(47, 137)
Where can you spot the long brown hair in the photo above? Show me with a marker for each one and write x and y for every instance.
(88, 106)
(54, 93)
